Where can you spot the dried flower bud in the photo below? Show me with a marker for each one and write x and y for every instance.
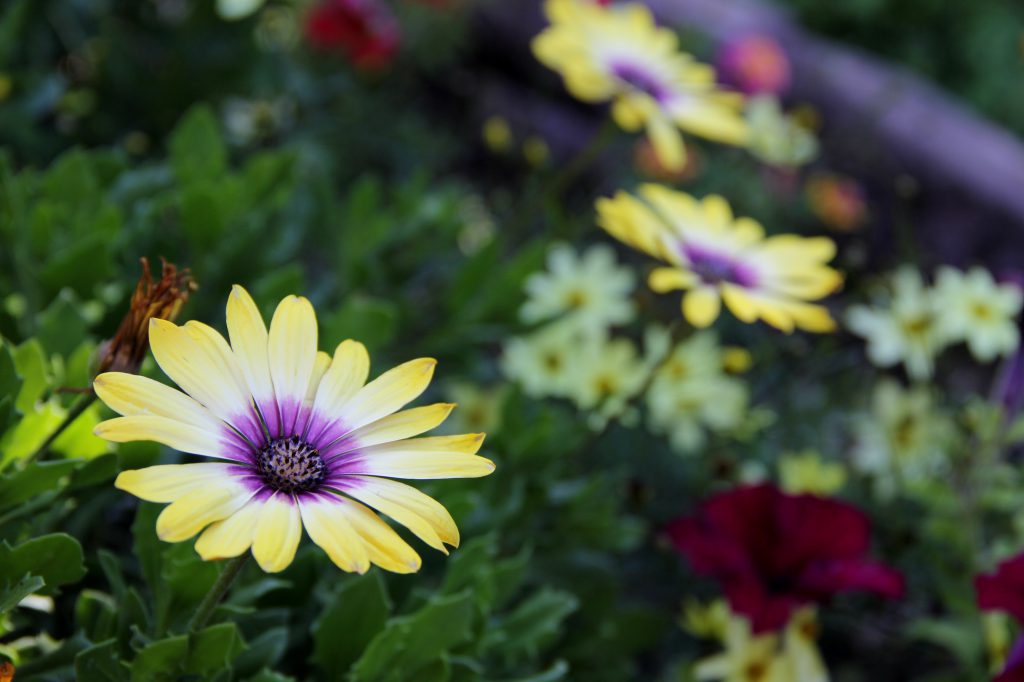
(161, 299)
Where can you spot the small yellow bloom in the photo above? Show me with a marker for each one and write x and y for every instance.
(619, 55)
(497, 135)
(536, 151)
(736, 360)
(716, 257)
(301, 439)
(807, 473)
(710, 621)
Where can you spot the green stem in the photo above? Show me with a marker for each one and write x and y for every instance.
(220, 588)
(74, 413)
(583, 159)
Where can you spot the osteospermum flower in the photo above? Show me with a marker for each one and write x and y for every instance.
(774, 553)
(302, 442)
(619, 55)
(716, 257)
(589, 290)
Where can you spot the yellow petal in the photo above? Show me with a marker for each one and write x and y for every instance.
(667, 143)
(402, 425)
(383, 545)
(741, 305)
(232, 536)
(168, 482)
(192, 512)
(701, 306)
(423, 515)
(343, 379)
(388, 392)
(422, 458)
(292, 348)
(132, 395)
(323, 361)
(248, 336)
(278, 531)
(193, 367)
(663, 280)
(328, 526)
(169, 432)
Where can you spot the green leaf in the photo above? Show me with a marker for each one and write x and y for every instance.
(269, 676)
(96, 615)
(359, 609)
(161, 660)
(12, 593)
(30, 361)
(197, 151)
(214, 648)
(264, 651)
(101, 663)
(56, 558)
(62, 326)
(35, 479)
(369, 320)
(10, 385)
(411, 642)
(533, 625)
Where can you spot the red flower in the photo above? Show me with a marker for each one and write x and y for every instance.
(1004, 589)
(365, 30)
(773, 552)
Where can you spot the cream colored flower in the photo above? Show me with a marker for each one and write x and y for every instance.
(902, 328)
(588, 291)
(690, 394)
(543, 362)
(978, 310)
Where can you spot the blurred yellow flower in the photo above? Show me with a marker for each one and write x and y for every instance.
(479, 408)
(978, 310)
(736, 360)
(747, 657)
(607, 374)
(788, 656)
(619, 54)
(690, 394)
(806, 473)
(536, 151)
(776, 138)
(542, 363)
(588, 291)
(709, 621)
(901, 327)
(497, 135)
(716, 257)
(905, 439)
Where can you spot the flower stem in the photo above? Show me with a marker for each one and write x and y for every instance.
(220, 588)
(583, 160)
(74, 413)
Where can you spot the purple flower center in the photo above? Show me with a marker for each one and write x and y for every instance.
(639, 79)
(715, 268)
(291, 465)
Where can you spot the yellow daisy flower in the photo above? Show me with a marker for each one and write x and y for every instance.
(716, 257)
(302, 442)
(619, 55)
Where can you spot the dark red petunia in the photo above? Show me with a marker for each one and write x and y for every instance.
(1003, 590)
(364, 30)
(773, 552)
